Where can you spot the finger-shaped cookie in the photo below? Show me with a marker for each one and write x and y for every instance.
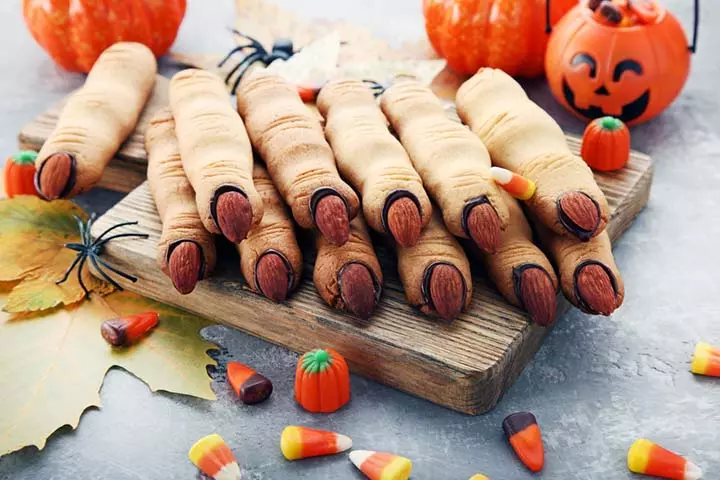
(216, 154)
(521, 271)
(523, 138)
(588, 275)
(348, 276)
(186, 251)
(373, 161)
(453, 163)
(435, 272)
(292, 143)
(270, 258)
(95, 121)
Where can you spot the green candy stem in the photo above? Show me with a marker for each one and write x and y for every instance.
(25, 157)
(610, 123)
(316, 361)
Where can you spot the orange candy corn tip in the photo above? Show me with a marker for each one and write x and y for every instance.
(214, 458)
(706, 360)
(525, 438)
(126, 330)
(516, 185)
(301, 442)
(381, 466)
(648, 458)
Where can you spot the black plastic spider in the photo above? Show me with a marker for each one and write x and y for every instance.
(376, 88)
(92, 249)
(282, 50)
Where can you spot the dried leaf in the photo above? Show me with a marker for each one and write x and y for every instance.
(313, 65)
(266, 22)
(173, 357)
(360, 49)
(32, 238)
(359, 55)
(385, 71)
(205, 61)
(52, 364)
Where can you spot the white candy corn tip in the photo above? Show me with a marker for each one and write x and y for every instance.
(231, 471)
(692, 471)
(343, 442)
(357, 457)
(500, 175)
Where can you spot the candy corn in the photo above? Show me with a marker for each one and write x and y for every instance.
(381, 466)
(127, 330)
(516, 185)
(250, 387)
(301, 442)
(647, 458)
(479, 476)
(524, 435)
(214, 458)
(706, 360)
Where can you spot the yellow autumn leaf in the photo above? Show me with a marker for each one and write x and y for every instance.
(32, 238)
(52, 364)
(173, 358)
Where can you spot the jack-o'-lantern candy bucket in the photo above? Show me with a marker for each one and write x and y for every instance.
(623, 58)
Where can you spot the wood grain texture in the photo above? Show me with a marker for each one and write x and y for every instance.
(466, 366)
(127, 170)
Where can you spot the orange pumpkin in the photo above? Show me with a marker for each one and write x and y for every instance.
(75, 33)
(20, 174)
(632, 72)
(505, 34)
(606, 144)
(322, 381)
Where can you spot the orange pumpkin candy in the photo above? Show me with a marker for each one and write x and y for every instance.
(20, 174)
(632, 73)
(606, 144)
(505, 34)
(75, 33)
(322, 381)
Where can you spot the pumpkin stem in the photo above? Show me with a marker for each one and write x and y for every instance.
(316, 361)
(610, 123)
(25, 157)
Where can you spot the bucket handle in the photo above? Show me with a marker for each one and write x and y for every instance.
(696, 23)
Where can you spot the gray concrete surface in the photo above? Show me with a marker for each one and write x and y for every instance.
(595, 386)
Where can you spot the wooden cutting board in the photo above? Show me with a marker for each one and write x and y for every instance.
(466, 366)
(128, 169)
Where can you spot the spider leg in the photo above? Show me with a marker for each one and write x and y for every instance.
(81, 227)
(235, 50)
(124, 224)
(113, 269)
(78, 247)
(245, 69)
(93, 259)
(69, 270)
(99, 245)
(79, 276)
(375, 87)
(252, 41)
(242, 66)
(254, 44)
(88, 226)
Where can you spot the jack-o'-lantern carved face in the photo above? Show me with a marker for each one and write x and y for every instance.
(623, 92)
(628, 72)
